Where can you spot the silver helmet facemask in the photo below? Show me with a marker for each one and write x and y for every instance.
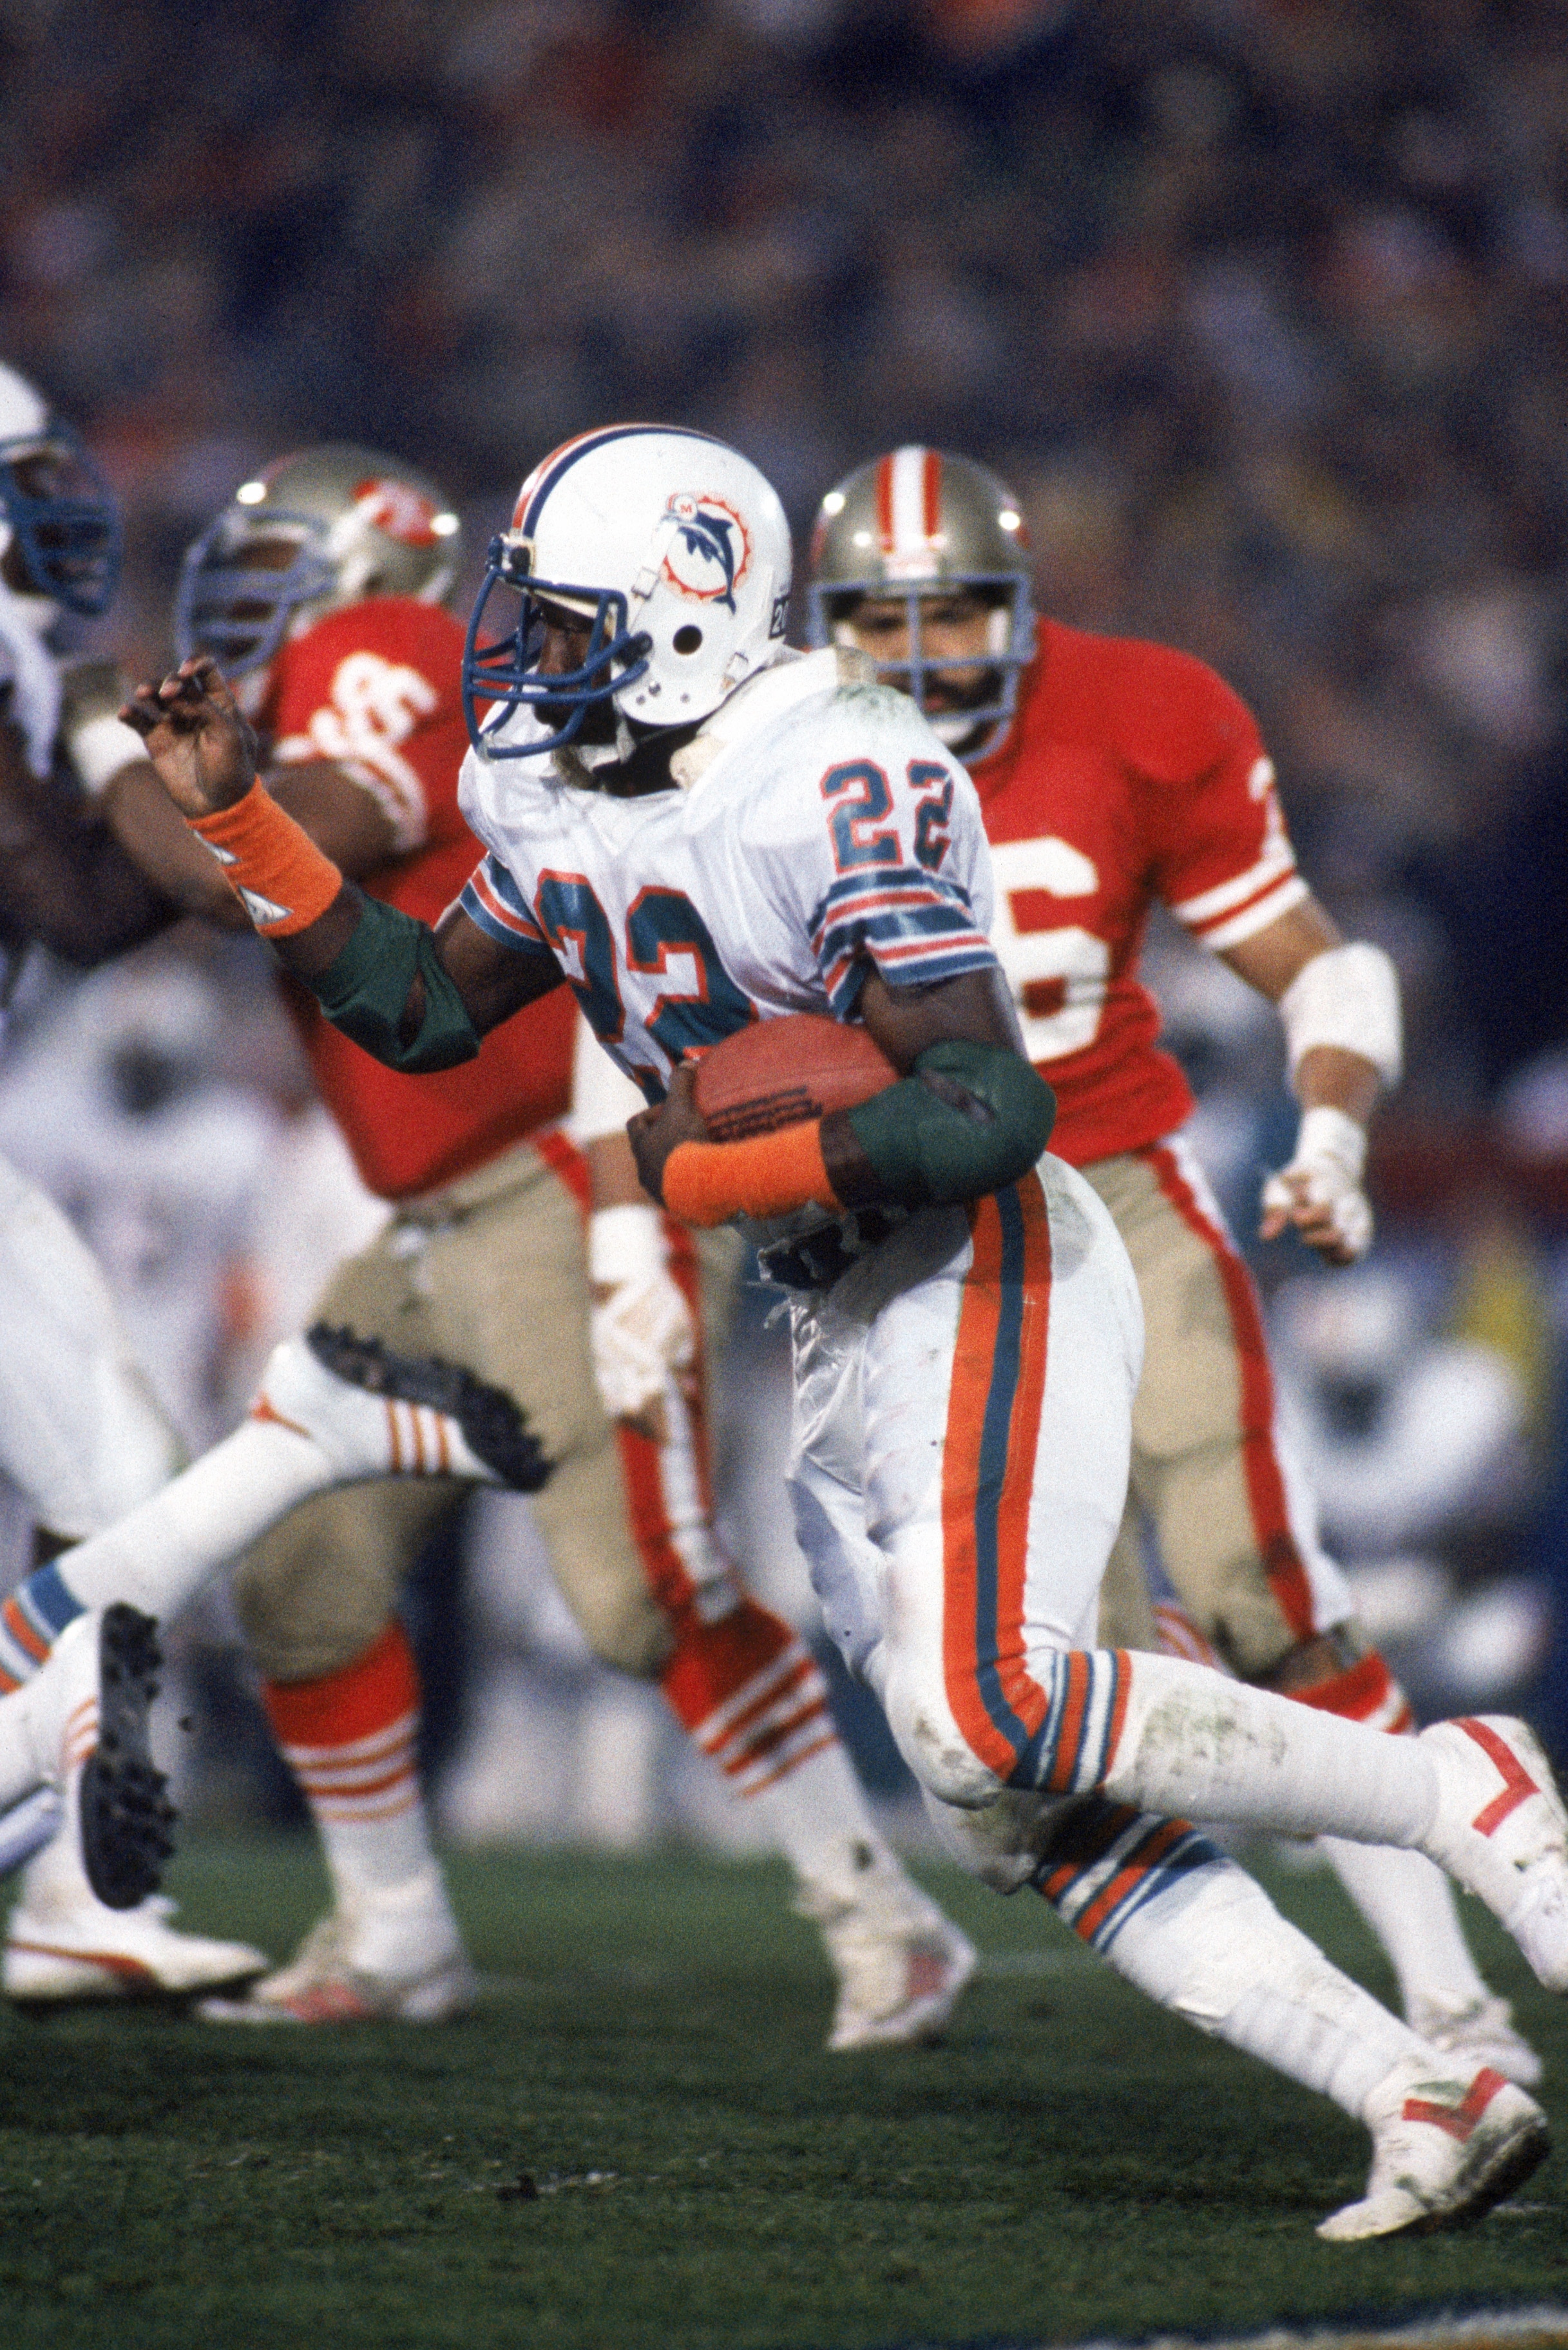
(219, 583)
(1010, 643)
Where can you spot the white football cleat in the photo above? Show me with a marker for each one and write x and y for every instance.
(377, 1413)
(55, 1954)
(1475, 2032)
(86, 1725)
(897, 1983)
(1501, 1830)
(1443, 2152)
(396, 1958)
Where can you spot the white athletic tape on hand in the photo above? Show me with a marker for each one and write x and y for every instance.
(1347, 997)
(1325, 1171)
(643, 1333)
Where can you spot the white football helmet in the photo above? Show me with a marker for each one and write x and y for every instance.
(676, 549)
(59, 525)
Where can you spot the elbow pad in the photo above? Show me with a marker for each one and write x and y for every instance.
(365, 992)
(1348, 996)
(968, 1119)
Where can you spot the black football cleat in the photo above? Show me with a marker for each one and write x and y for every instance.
(493, 1427)
(124, 1814)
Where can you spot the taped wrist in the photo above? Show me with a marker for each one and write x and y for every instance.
(1346, 997)
(968, 1119)
(365, 992)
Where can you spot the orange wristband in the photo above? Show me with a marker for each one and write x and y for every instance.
(274, 868)
(769, 1174)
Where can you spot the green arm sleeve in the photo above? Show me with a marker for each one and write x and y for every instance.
(969, 1118)
(366, 991)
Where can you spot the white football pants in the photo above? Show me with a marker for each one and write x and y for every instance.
(962, 1425)
(81, 1434)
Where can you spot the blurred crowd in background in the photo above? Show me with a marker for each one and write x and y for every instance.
(1261, 306)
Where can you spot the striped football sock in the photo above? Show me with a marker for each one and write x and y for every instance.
(752, 1696)
(32, 1620)
(349, 1737)
(1178, 1919)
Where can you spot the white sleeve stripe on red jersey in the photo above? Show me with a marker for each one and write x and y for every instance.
(1274, 899)
(1276, 864)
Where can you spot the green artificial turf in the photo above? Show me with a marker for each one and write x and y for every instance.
(648, 2058)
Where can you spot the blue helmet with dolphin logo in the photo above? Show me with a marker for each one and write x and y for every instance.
(670, 546)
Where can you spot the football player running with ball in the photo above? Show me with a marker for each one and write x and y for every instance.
(538, 1268)
(1112, 774)
(699, 830)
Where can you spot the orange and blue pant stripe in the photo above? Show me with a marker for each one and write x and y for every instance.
(1050, 1722)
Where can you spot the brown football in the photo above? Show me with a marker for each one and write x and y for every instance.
(779, 1072)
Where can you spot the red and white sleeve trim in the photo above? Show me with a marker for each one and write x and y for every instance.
(1223, 917)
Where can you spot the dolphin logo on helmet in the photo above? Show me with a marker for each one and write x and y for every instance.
(705, 535)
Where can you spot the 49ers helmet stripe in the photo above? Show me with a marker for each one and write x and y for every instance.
(909, 500)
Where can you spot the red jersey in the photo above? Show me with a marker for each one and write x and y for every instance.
(1131, 772)
(376, 688)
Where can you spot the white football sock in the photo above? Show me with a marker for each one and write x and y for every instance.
(1409, 1905)
(158, 1556)
(817, 1817)
(367, 1857)
(55, 1711)
(1215, 1949)
(1195, 1744)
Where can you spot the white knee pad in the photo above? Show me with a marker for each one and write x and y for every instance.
(929, 1739)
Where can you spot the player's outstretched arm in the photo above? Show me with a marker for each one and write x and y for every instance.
(968, 1117)
(414, 998)
(1339, 1001)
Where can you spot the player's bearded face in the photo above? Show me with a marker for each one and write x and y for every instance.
(954, 636)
